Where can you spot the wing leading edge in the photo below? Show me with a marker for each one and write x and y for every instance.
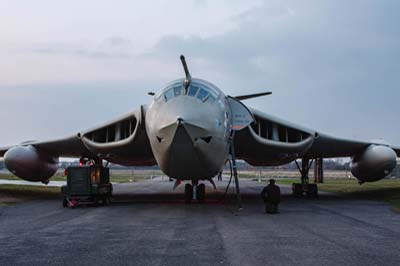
(66, 147)
(273, 141)
(114, 141)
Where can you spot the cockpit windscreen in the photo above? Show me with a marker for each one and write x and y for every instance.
(198, 91)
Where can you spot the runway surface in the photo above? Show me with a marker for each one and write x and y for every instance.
(148, 224)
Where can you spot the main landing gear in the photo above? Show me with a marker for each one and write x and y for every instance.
(195, 192)
(305, 188)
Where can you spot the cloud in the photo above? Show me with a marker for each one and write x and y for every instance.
(332, 65)
(114, 47)
(322, 59)
(294, 37)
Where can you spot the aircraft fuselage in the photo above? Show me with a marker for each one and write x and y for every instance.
(189, 129)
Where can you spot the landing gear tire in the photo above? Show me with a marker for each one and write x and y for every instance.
(297, 190)
(188, 193)
(65, 202)
(201, 193)
(96, 202)
(108, 201)
(104, 201)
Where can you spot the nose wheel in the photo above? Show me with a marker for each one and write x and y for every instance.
(195, 192)
(188, 193)
(201, 193)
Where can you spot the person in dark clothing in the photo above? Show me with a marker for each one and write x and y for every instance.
(220, 176)
(271, 195)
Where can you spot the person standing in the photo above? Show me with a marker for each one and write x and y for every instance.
(271, 195)
(220, 176)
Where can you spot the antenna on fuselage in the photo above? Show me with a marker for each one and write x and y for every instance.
(188, 78)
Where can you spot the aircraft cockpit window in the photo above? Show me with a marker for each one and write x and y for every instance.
(192, 91)
(200, 92)
(211, 98)
(177, 91)
(169, 94)
(202, 95)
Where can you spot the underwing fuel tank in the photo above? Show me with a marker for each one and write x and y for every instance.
(30, 164)
(375, 163)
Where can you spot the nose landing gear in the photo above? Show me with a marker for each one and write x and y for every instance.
(201, 193)
(195, 192)
(188, 193)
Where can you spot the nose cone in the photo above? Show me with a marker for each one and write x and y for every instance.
(184, 159)
(184, 150)
(187, 137)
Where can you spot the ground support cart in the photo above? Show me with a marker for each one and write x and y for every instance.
(87, 184)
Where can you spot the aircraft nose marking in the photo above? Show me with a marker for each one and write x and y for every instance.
(182, 137)
(199, 131)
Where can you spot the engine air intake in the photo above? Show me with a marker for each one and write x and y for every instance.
(114, 132)
(276, 132)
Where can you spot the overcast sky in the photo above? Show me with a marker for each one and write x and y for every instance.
(333, 66)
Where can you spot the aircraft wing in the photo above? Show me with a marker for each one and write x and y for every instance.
(112, 141)
(326, 146)
(66, 147)
(273, 141)
(397, 150)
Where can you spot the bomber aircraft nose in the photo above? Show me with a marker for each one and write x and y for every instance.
(184, 148)
(187, 132)
(183, 154)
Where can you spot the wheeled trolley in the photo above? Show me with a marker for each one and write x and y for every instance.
(87, 184)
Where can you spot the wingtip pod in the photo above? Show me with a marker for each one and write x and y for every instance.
(30, 164)
(374, 163)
